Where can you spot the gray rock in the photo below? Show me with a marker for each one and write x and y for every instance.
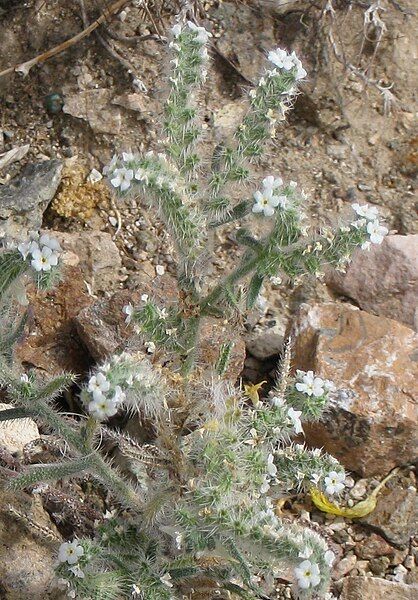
(265, 343)
(396, 515)
(24, 200)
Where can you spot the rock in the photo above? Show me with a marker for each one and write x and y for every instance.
(13, 155)
(374, 588)
(102, 326)
(24, 200)
(53, 344)
(94, 106)
(266, 343)
(27, 558)
(359, 490)
(373, 547)
(226, 119)
(383, 281)
(97, 256)
(14, 435)
(371, 425)
(141, 103)
(378, 566)
(396, 514)
(345, 565)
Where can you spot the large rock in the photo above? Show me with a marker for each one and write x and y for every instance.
(94, 107)
(371, 424)
(27, 556)
(374, 588)
(14, 435)
(396, 514)
(384, 281)
(24, 200)
(96, 254)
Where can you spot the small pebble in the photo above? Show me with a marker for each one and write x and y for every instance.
(159, 269)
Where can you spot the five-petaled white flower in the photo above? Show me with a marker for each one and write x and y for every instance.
(98, 385)
(43, 260)
(334, 482)
(122, 179)
(294, 416)
(306, 552)
(128, 309)
(307, 574)
(267, 200)
(310, 385)
(70, 552)
(102, 408)
(364, 210)
(376, 231)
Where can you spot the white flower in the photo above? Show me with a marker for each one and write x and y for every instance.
(176, 30)
(265, 201)
(334, 482)
(150, 347)
(110, 167)
(271, 467)
(141, 175)
(202, 35)
(306, 552)
(376, 231)
(307, 574)
(50, 242)
(70, 552)
(77, 571)
(128, 309)
(166, 580)
(128, 156)
(98, 385)
(24, 378)
(277, 402)
(294, 416)
(281, 59)
(26, 248)
(364, 210)
(122, 179)
(300, 71)
(102, 408)
(329, 385)
(119, 395)
(329, 557)
(315, 477)
(265, 486)
(43, 260)
(310, 385)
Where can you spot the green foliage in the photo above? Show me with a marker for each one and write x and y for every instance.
(197, 500)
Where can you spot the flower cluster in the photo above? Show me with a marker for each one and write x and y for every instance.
(43, 251)
(310, 385)
(288, 62)
(125, 379)
(369, 222)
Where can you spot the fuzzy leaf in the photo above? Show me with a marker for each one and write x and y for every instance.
(254, 289)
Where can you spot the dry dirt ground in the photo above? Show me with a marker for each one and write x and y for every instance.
(352, 136)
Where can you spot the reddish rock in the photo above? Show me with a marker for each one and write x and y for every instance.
(372, 547)
(374, 588)
(370, 425)
(52, 343)
(383, 281)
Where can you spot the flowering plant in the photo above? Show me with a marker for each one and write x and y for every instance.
(197, 500)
